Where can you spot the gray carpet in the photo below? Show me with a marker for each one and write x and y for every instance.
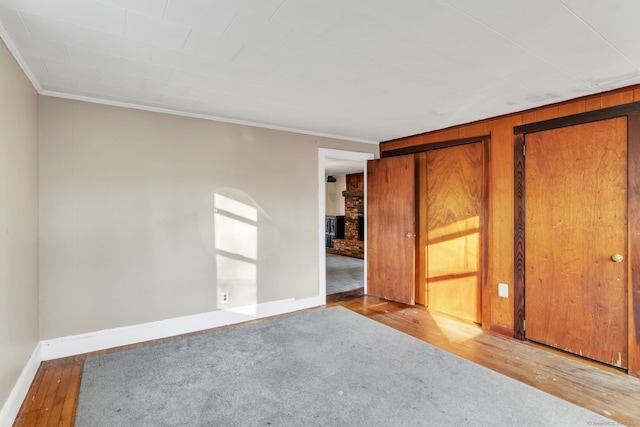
(325, 367)
(344, 273)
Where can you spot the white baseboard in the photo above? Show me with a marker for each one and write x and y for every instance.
(10, 409)
(100, 340)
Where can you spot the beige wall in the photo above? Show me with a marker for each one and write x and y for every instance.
(128, 231)
(334, 200)
(18, 221)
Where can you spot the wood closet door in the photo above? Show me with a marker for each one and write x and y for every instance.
(454, 217)
(576, 220)
(391, 228)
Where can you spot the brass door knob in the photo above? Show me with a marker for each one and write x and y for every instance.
(617, 258)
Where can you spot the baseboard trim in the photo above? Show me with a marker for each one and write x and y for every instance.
(109, 338)
(12, 406)
(501, 330)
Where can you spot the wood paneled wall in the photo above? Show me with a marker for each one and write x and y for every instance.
(501, 182)
(355, 181)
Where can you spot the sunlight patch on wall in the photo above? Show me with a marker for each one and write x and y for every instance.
(453, 268)
(236, 246)
(454, 249)
(238, 234)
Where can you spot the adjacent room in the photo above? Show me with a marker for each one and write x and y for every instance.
(332, 212)
(344, 228)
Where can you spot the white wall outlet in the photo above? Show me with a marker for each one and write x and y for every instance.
(503, 290)
(224, 296)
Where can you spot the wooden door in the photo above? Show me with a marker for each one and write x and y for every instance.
(576, 220)
(452, 219)
(391, 228)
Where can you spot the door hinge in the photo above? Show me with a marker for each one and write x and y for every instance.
(524, 150)
(524, 324)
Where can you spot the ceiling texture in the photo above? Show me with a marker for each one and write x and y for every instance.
(365, 70)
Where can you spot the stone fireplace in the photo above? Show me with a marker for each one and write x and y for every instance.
(353, 242)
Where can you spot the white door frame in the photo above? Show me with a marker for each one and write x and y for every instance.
(327, 153)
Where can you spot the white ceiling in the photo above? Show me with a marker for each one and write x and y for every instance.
(368, 70)
(339, 167)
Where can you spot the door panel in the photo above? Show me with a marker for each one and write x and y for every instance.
(390, 216)
(576, 219)
(454, 223)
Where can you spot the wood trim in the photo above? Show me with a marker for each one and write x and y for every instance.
(485, 303)
(578, 119)
(633, 206)
(433, 146)
(519, 235)
(501, 330)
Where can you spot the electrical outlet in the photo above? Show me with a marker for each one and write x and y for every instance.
(224, 296)
(503, 290)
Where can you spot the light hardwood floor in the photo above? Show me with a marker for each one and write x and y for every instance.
(52, 399)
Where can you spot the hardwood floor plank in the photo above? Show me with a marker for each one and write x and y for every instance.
(35, 405)
(53, 396)
(57, 400)
(48, 402)
(68, 414)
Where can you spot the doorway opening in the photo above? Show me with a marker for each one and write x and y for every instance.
(341, 223)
